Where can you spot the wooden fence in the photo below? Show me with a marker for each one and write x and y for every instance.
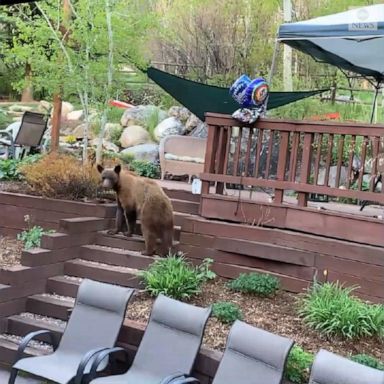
(327, 158)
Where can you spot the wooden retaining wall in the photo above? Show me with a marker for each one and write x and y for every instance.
(44, 212)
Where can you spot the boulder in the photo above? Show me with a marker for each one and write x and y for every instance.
(200, 131)
(78, 132)
(141, 114)
(66, 108)
(181, 113)
(145, 152)
(44, 106)
(19, 108)
(107, 145)
(75, 115)
(169, 126)
(134, 135)
(192, 122)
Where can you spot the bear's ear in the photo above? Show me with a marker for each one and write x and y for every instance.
(100, 168)
(118, 168)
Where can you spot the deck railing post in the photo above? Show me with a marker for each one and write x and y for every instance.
(281, 165)
(210, 154)
(302, 198)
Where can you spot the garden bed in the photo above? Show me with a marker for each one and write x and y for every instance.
(277, 314)
(10, 252)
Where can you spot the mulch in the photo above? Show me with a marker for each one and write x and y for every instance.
(10, 252)
(277, 314)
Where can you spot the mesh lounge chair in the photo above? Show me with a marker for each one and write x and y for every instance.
(20, 138)
(251, 356)
(329, 368)
(169, 346)
(94, 325)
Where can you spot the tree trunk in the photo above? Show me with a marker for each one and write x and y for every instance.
(56, 121)
(27, 95)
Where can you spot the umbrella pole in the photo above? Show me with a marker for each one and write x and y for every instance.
(273, 65)
(374, 106)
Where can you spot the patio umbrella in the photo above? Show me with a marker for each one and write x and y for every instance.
(351, 40)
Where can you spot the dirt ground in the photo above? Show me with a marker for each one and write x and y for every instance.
(10, 252)
(277, 315)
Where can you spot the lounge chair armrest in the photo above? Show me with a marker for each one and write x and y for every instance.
(27, 339)
(84, 362)
(100, 357)
(170, 379)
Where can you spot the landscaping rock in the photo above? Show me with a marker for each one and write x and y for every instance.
(78, 132)
(44, 106)
(19, 108)
(141, 114)
(75, 115)
(181, 113)
(169, 126)
(107, 145)
(66, 108)
(134, 135)
(192, 122)
(200, 131)
(145, 152)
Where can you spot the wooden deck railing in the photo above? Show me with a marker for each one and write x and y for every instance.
(334, 159)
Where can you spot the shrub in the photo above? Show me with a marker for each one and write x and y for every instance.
(260, 284)
(9, 169)
(31, 237)
(226, 312)
(145, 169)
(330, 309)
(115, 135)
(368, 360)
(61, 176)
(298, 365)
(175, 277)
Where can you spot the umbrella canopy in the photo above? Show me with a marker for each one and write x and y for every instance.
(351, 40)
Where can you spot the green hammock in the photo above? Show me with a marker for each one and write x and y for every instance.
(201, 98)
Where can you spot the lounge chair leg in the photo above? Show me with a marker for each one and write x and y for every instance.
(13, 375)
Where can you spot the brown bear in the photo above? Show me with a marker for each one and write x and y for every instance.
(140, 197)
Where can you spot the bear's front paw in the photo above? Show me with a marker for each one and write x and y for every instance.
(112, 232)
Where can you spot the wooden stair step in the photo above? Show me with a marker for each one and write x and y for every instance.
(106, 273)
(184, 206)
(10, 343)
(64, 285)
(106, 252)
(55, 306)
(26, 322)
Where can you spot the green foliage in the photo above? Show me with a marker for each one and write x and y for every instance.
(115, 135)
(175, 277)
(260, 284)
(226, 312)
(114, 115)
(9, 169)
(368, 360)
(330, 309)
(298, 365)
(31, 237)
(145, 169)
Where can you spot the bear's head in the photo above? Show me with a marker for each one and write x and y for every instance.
(109, 177)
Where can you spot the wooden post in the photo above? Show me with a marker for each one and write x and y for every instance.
(56, 121)
(281, 165)
(305, 168)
